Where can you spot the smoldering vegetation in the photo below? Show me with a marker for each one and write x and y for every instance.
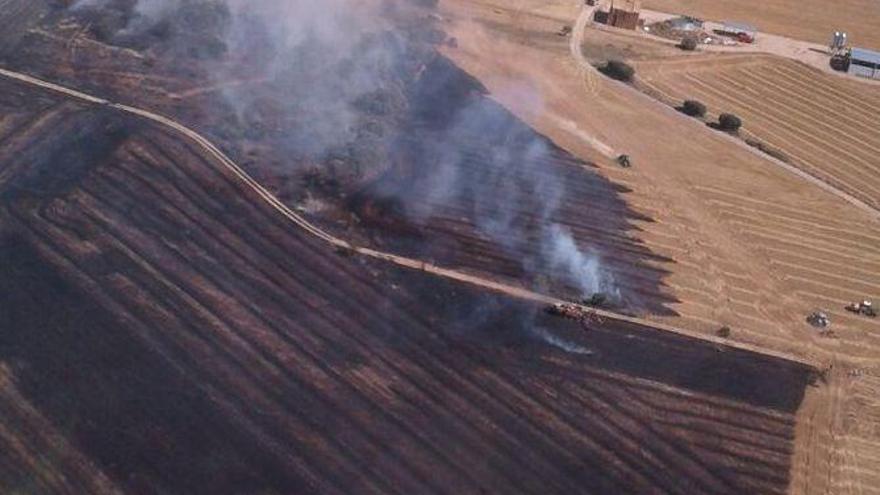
(514, 177)
(332, 75)
(471, 185)
(354, 91)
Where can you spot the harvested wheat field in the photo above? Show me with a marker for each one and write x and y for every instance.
(821, 123)
(810, 20)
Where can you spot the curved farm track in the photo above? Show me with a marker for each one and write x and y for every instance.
(673, 211)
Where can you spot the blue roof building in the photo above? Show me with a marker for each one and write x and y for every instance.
(864, 63)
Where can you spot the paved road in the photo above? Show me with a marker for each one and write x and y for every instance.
(337, 243)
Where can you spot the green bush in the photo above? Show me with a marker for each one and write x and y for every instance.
(617, 69)
(729, 122)
(688, 44)
(693, 108)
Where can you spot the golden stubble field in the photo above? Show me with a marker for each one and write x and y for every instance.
(827, 127)
(824, 124)
(811, 20)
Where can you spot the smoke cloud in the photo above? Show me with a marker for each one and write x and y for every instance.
(145, 12)
(329, 56)
(339, 73)
(515, 200)
(559, 342)
(333, 72)
(583, 268)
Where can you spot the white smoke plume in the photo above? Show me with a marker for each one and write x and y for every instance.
(320, 57)
(559, 342)
(328, 55)
(146, 11)
(584, 269)
(517, 198)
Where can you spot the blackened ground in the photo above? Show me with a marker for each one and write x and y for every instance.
(184, 338)
(133, 412)
(82, 140)
(16, 17)
(483, 318)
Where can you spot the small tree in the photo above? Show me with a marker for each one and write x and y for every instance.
(617, 69)
(693, 108)
(729, 122)
(688, 44)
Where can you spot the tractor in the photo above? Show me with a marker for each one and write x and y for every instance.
(864, 308)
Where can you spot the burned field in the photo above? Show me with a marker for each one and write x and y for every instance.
(17, 17)
(420, 161)
(168, 332)
(281, 107)
(473, 187)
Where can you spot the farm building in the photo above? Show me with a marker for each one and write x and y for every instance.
(865, 63)
(623, 14)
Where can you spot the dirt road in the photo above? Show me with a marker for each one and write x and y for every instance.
(576, 43)
(336, 243)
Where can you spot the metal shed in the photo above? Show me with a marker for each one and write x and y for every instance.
(684, 23)
(864, 63)
(736, 27)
